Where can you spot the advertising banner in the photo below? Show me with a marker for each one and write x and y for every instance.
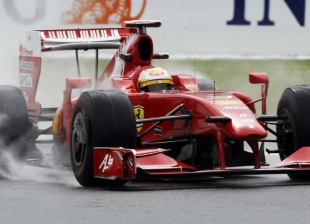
(199, 28)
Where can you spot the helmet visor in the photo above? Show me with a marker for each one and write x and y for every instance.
(157, 87)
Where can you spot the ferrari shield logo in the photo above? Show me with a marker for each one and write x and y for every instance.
(139, 114)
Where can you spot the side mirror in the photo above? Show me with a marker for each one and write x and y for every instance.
(261, 78)
(256, 78)
(78, 83)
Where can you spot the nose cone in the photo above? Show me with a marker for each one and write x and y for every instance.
(248, 128)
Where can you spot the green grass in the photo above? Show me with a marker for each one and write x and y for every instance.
(230, 74)
(233, 75)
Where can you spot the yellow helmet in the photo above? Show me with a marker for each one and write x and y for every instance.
(154, 79)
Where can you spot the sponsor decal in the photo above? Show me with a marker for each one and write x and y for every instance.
(28, 65)
(27, 52)
(25, 80)
(297, 8)
(245, 116)
(226, 102)
(24, 51)
(235, 108)
(100, 12)
(251, 126)
(158, 130)
(247, 121)
(139, 114)
(106, 162)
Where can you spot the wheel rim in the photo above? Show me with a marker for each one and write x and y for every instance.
(78, 144)
(285, 134)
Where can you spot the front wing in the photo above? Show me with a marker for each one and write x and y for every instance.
(119, 163)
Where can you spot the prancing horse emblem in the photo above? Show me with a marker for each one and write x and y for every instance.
(139, 114)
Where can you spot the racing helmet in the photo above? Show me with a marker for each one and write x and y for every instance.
(154, 79)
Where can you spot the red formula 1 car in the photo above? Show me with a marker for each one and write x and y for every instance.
(121, 131)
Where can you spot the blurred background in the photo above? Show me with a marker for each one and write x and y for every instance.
(221, 40)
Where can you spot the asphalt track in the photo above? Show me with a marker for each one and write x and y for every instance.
(38, 195)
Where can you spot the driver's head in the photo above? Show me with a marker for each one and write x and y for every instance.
(154, 79)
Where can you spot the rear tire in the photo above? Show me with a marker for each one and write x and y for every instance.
(14, 125)
(107, 119)
(14, 119)
(294, 104)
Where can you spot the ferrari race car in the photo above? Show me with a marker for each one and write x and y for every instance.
(117, 131)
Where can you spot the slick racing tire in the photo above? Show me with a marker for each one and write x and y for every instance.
(14, 123)
(294, 105)
(205, 84)
(107, 119)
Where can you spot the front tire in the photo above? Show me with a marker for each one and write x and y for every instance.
(294, 105)
(100, 118)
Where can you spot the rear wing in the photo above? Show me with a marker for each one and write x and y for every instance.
(82, 39)
(38, 41)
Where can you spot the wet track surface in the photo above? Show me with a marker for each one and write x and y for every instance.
(40, 195)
